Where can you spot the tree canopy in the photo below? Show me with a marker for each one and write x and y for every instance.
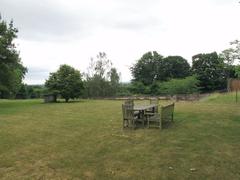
(176, 67)
(67, 82)
(154, 67)
(209, 69)
(102, 79)
(147, 68)
(12, 71)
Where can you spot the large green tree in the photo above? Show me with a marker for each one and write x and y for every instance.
(67, 82)
(209, 69)
(148, 68)
(11, 69)
(152, 67)
(176, 67)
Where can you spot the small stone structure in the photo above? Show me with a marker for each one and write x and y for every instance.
(49, 98)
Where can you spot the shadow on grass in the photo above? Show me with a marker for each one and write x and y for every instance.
(165, 125)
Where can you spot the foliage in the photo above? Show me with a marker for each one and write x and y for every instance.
(147, 68)
(97, 87)
(36, 91)
(114, 81)
(153, 67)
(30, 91)
(138, 87)
(230, 71)
(101, 79)
(237, 71)
(154, 88)
(235, 50)
(175, 67)
(12, 71)
(209, 69)
(188, 85)
(124, 89)
(100, 67)
(22, 92)
(66, 81)
(230, 56)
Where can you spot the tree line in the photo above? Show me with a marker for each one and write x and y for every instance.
(153, 74)
(209, 71)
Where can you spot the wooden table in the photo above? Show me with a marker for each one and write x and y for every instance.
(142, 108)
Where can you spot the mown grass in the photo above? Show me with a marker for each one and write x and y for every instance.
(85, 140)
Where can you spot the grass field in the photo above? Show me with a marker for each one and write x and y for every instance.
(85, 140)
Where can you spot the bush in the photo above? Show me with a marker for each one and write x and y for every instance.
(30, 91)
(187, 85)
(138, 88)
(124, 89)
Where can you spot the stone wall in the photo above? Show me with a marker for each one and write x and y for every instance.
(179, 97)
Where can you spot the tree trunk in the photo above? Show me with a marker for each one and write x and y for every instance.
(66, 100)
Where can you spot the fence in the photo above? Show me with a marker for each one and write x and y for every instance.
(234, 85)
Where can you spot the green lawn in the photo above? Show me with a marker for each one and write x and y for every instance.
(85, 140)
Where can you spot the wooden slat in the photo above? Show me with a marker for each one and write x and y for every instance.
(167, 112)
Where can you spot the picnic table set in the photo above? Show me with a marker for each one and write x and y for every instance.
(149, 115)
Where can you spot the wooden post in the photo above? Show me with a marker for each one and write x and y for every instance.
(229, 85)
(236, 95)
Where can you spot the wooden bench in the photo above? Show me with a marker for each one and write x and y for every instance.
(165, 115)
(131, 116)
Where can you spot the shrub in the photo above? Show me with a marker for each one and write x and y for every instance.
(124, 89)
(187, 85)
(138, 88)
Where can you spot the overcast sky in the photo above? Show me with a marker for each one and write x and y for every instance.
(54, 32)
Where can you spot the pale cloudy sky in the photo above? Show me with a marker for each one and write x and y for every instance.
(54, 32)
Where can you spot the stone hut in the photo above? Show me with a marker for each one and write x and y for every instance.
(49, 98)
